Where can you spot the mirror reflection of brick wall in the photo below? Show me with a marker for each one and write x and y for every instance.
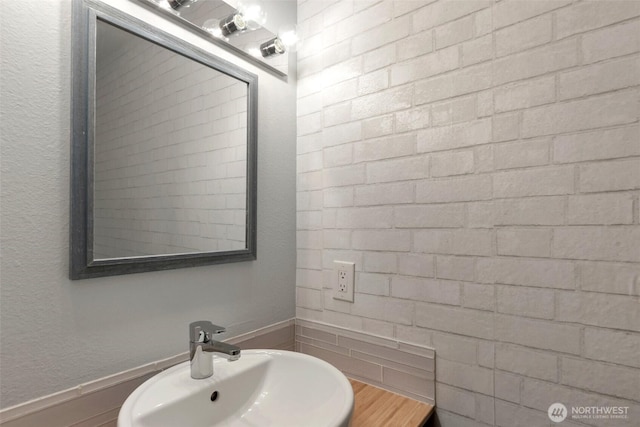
(170, 160)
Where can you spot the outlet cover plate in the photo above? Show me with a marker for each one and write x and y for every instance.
(344, 274)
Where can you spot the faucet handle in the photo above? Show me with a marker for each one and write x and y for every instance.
(202, 330)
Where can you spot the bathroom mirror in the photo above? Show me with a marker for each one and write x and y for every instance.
(163, 150)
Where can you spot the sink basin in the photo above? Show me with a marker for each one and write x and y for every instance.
(262, 388)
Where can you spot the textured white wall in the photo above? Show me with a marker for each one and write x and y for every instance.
(171, 153)
(56, 333)
(479, 161)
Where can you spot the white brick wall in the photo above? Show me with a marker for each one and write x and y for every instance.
(481, 165)
(186, 160)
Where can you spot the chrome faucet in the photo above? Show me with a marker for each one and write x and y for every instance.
(202, 347)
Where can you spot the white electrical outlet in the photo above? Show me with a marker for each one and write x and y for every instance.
(343, 280)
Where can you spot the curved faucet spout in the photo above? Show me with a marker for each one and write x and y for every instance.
(202, 347)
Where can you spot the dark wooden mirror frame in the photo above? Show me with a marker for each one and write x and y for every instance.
(82, 265)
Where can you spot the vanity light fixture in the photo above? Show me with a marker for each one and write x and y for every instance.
(275, 46)
(232, 24)
(178, 4)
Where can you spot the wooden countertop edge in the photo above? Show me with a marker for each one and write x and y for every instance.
(375, 407)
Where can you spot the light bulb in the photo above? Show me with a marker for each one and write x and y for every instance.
(288, 35)
(232, 24)
(253, 13)
(274, 46)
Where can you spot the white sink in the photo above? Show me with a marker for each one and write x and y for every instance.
(262, 388)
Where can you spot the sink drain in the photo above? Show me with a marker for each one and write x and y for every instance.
(214, 396)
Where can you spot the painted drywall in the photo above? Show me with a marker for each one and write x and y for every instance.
(479, 161)
(56, 333)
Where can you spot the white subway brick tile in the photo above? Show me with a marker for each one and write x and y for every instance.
(415, 118)
(535, 182)
(384, 148)
(506, 127)
(357, 23)
(341, 134)
(454, 189)
(379, 126)
(479, 296)
(373, 217)
(372, 284)
(337, 197)
(455, 348)
(415, 45)
(610, 278)
(309, 104)
(382, 103)
(309, 124)
(309, 239)
(525, 242)
(527, 272)
(605, 43)
(309, 181)
(457, 163)
(527, 302)
(477, 50)
(380, 262)
(485, 103)
(309, 162)
(530, 363)
(381, 35)
(618, 243)
(454, 242)
(383, 308)
(510, 12)
(522, 154)
(373, 82)
(535, 62)
(339, 155)
(529, 211)
(524, 35)
(600, 209)
(340, 92)
(453, 399)
(593, 14)
(509, 415)
(415, 167)
(596, 145)
(481, 215)
(379, 58)
(456, 136)
(599, 342)
(442, 12)
(456, 268)
(530, 93)
(599, 111)
(382, 240)
(336, 239)
(461, 82)
(613, 380)
(604, 310)
(484, 158)
(599, 78)
(344, 175)
(336, 114)
(541, 334)
(416, 265)
(384, 194)
(610, 176)
(424, 289)
(474, 378)
(456, 320)
(309, 298)
(454, 32)
(507, 386)
(425, 66)
(454, 111)
(429, 216)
